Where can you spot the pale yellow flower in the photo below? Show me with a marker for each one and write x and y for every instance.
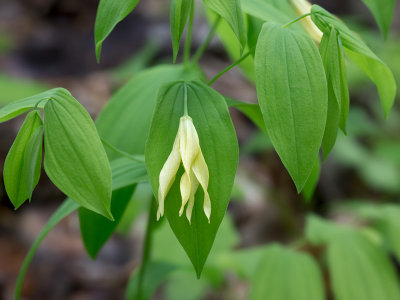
(186, 149)
(303, 7)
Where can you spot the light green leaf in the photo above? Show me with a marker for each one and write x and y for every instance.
(231, 12)
(286, 274)
(125, 121)
(292, 93)
(126, 172)
(23, 161)
(75, 159)
(219, 146)
(360, 269)
(383, 11)
(179, 14)
(333, 59)
(312, 181)
(319, 231)
(109, 14)
(359, 53)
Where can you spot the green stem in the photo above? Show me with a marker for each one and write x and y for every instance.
(207, 40)
(297, 19)
(120, 152)
(188, 42)
(146, 248)
(229, 67)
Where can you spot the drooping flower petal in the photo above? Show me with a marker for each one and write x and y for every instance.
(303, 7)
(189, 208)
(167, 175)
(189, 142)
(200, 170)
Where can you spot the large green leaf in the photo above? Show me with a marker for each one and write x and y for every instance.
(231, 12)
(360, 269)
(125, 121)
(75, 159)
(285, 274)
(292, 93)
(126, 172)
(179, 14)
(359, 52)
(338, 94)
(383, 11)
(218, 143)
(109, 14)
(24, 160)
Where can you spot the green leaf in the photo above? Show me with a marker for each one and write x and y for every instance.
(359, 53)
(17, 108)
(292, 93)
(383, 11)
(125, 121)
(95, 229)
(338, 94)
(219, 146)
(64, 210)
(109, 14)
(179, 14)
(75, 159)
(285, 274)
(126, 172)
(312, 181)
(156, 273)
(319, 231)
(360, 269)
(231, 12)
(23, 161)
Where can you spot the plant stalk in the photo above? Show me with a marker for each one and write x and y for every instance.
(188, 42)
(199, 53)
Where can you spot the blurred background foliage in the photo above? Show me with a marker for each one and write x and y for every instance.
(350, 226)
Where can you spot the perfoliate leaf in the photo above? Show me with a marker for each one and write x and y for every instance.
(219, 146)
(23, 161)
(286, 274)
(75, 159)
(383, 11)
(332, 57)
(109, 14)
(179, 14)
(359, 52)
(231, 12)
(292, 93)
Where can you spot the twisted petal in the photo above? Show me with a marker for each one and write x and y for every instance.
(189, 208)
(200, 170)
(303, 7)
(167, 175)
(189, 142)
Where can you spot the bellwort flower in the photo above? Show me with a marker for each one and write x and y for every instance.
(303, 7)
(186, 149)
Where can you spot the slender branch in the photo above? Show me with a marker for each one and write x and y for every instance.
(207, 40)
(188, 42)
(146, 248)
(244, 56)
(297, 19)
(120, 152)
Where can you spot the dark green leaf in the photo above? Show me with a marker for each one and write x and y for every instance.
(218, 143)
(292, 93)
(285, 274)
(360, 269)
(179, 14)
(109, 14)
(383, 11)
(75, 159)
(23, 162)
(125, 121)
(231, 12)
(359, 52)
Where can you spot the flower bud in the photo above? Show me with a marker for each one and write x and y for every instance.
(303, 7)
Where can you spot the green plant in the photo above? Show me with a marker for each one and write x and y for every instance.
(169, 128)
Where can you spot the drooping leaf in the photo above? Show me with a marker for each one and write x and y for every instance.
(292, 93)
(285, 274)
(23, 161)
(359, 53)
(219, 146)
(312, 181)
(332, 57)
(360, 269)
(75, 159)
(383, 11)
(125, 121)
(179, 14)
(231, 12)
(109, 14)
